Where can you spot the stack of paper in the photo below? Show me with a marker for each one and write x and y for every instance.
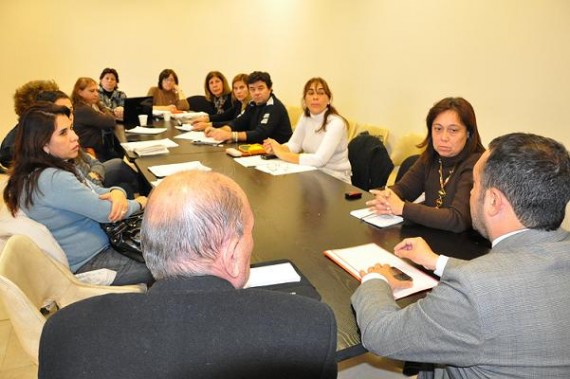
(153, 147)
(360, 258)
(145, 130)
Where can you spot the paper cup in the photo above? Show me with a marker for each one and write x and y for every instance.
(143, 119)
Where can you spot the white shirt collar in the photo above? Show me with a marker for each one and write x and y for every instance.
(505, 236)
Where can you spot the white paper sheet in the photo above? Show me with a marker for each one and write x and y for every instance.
(184, 127)
(253, 161)
(198, 137)
(169, 169)
(272, 274)
(145, 130)
(279, 167)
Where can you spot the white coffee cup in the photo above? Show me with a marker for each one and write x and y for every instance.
(143, 119)
(166, 116)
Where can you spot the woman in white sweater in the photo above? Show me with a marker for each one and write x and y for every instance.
(320, 137)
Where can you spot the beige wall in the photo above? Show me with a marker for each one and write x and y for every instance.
(387, 61)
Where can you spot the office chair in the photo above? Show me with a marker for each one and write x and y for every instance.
(198, 103)
(32, 284)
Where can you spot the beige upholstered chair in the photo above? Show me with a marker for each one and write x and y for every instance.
(294, 113)
(406, 146)
(374, 130)
(31, 280)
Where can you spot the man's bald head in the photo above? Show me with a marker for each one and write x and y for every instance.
(190, 218)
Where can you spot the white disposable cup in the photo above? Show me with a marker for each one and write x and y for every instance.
(167, 116)
(143, 119)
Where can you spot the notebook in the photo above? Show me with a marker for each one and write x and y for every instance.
(135, 106)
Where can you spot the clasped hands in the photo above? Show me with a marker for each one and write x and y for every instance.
(272, 147)
(416, 250)
(386, 202)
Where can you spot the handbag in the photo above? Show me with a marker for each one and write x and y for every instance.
(124, 235)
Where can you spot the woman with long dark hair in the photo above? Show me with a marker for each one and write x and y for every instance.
(444, 171)
(47, 186)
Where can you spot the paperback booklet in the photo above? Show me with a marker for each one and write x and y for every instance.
(381, 221)
(360, 258)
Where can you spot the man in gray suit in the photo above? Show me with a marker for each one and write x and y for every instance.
(506, 314)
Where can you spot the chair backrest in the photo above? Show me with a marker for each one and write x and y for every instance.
(198, 103)
(374, 130)
(405, 166)
(294, 113)
(31, 280)
(406, 146)
(370, 162)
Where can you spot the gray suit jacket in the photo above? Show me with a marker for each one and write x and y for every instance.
(503, 315)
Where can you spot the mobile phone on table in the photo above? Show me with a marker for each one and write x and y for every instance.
(400, 275)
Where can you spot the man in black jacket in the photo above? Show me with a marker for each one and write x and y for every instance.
(196, 321)
(264, 117)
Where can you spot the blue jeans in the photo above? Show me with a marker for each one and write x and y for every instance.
(128, 271)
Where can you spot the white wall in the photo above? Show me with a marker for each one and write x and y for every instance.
(387, 61)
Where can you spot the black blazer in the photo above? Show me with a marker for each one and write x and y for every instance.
(198, 327)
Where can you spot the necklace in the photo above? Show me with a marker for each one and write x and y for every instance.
(442, 183)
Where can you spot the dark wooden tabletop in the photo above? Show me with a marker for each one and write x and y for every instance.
(299, 216)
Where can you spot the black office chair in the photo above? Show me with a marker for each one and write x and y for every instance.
(371, 164)
(405, 166)
(198, 103)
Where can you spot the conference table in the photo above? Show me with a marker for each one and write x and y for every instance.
(299, 216)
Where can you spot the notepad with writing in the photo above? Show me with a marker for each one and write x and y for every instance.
(357, 258)
(381, 221)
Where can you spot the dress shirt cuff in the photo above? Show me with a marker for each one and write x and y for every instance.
(440, 265)
(373, 275)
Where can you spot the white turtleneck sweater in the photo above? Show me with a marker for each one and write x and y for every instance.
(326, 150)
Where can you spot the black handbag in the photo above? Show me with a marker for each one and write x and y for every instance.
(124, 235)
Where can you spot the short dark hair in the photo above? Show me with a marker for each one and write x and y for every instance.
(164, 74)
(108, 70)
(533, 172)
(51, 96)
(258, 76)
(466, 114)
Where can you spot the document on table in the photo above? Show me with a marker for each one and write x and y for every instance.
(141, 145)
(360, 258)
(279, 167)
(253, 161)
(198, 137)
(145, 130)
(380, 221)
(169, 169)
(272, 274)
(184, 127)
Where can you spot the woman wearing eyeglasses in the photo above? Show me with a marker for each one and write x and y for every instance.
(168, 96)
(444, 171)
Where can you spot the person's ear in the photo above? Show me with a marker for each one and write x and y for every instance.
(46, 149)
(230, 256)
(494, 201)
